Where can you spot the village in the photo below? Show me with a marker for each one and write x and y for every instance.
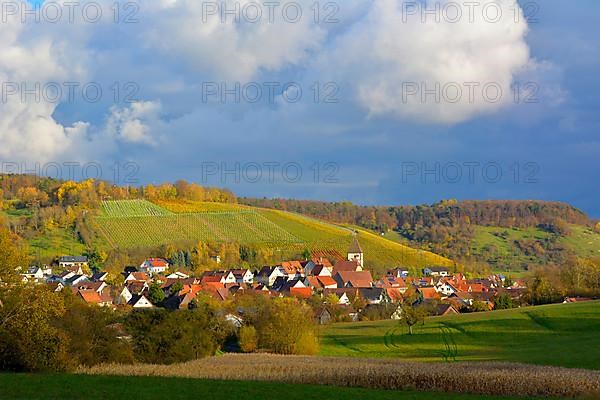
(328, 278)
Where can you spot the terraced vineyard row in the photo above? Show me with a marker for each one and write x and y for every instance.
(188, 206)
(132, 208)
(240, 227)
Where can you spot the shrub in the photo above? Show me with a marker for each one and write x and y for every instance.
(307, 344)
(248, 339)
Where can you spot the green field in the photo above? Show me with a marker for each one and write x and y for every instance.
(559, 335)
(84, 387)
(140, 223)
(54, 242)
(583, 241)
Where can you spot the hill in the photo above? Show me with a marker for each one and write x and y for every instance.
(134, 223)
(507, 235)
(547, 335)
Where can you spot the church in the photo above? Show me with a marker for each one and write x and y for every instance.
(355, 253)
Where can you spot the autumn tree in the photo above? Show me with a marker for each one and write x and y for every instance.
(248, 339)
(286, 326)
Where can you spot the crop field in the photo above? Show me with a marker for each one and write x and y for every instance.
(132, 208)
(92, 387)
(239, 227)
(563, 335)
(487, 378)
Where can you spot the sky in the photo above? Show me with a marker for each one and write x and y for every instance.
(377, 102)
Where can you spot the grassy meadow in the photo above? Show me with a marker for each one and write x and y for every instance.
(560, 335)
(88, 387)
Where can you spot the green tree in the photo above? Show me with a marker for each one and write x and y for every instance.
(175, 288)
(503, 302)
(412, 313)
(156, 294)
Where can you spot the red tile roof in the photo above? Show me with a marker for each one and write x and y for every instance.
(326, 281)
(303, 293)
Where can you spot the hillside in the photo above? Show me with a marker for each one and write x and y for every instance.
(546, 335)
(507, 235)
(134, 223)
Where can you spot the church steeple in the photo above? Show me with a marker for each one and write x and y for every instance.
(355, 247)
(355, 253)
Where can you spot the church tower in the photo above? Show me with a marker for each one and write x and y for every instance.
(355, 253)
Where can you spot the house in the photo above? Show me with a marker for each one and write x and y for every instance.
(326, 282)
(35, 273)
(154, 266)
(354, 279)
(321, 270)
(345, 295)
(79, 262)
(444, 309)
(56, 286)
(137, 277)
(216, 258)
(92, 297)
(99, 276)
(124, 296)
(399, 272)
(137, 287)
(428, 293)
(293, 269)
(97, 287)
(301, 292)
(268, 275)
(178, 275)
(224, 277)
(323, 316)
(518, 284)
(139, 301)
(436, 271)
(75, 280)
(346, 266)
(446, 288)
(355, 253)
(373, 295)
(216, 290)
(323, 265)
(394, 294)
(243, 276)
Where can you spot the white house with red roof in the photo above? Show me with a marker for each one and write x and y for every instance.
(154, 266)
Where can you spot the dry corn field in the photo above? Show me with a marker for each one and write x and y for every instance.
(476, 377)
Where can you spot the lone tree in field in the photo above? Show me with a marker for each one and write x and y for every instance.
(412, 313)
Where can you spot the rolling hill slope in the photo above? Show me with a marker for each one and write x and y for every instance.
(137, 223)
(560, 335)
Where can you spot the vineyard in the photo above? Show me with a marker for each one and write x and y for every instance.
(132, 208)
(138, 223)
(239, 227)
(188, 206)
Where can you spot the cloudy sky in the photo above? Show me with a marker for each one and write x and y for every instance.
(377, 102)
